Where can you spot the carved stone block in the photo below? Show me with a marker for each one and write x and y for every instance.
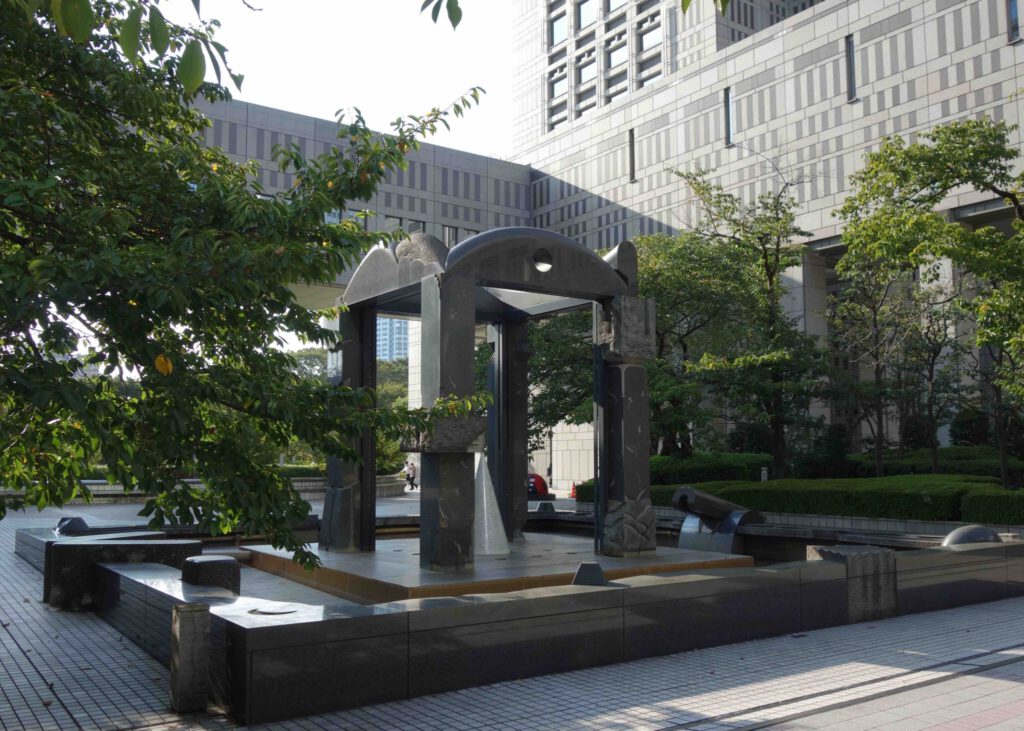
(628, 333)
(459, 434)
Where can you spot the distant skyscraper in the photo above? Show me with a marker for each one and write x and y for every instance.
(392, 339)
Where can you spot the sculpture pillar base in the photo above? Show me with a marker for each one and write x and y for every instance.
(447, 511)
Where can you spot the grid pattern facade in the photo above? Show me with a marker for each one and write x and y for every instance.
(808, 95)
(447, 193)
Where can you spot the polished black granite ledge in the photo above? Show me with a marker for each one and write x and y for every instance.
(276, 660)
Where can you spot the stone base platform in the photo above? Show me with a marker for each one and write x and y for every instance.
(393, 573)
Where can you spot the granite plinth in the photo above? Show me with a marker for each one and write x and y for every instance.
(393, 573)
(69, 576)
(222, 571)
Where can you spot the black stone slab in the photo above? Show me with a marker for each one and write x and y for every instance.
(942, 578)
(534, 632)
(663, 615)
(30, 543)
(70, 577)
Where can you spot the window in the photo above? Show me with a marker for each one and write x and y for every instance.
(468, 233)
(333, 216)
(449, 236)
(559, 86)
(632, 157)
(559, 29)
(650, 38)
(392, 223)
(618, 55)
(727, 108)
(586, 71)
(851, 71)
(1013, 18)
(615, 4)
(586, 13)
(416, 226)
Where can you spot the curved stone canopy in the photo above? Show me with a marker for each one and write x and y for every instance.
(526, 270)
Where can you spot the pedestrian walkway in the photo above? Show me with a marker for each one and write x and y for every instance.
(953, 670)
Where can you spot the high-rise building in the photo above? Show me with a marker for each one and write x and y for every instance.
(613, 96)
(392, 338)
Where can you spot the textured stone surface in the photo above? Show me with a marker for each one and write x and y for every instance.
(422, 247)
(190, 657)
(222, 571)
(629, 330)
(461, 434)
(630, 526)
(870, 576)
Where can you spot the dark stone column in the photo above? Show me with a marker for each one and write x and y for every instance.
(349, 517)
(508, 454)
(624, 331)
(447, 500)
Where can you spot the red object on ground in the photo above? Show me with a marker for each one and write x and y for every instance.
(536, 486)
(572, 494)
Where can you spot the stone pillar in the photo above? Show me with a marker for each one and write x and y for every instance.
(508, 456)
(624, 331)
(190, 657)
(870, 578)
(349, 517)
(447, 476)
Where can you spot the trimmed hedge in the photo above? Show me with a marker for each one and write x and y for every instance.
(998, 506)
(707, 467)
(916, 497)
(952, 461)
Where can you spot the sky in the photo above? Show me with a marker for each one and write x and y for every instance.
(315, 57)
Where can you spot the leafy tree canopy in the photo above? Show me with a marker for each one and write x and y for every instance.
(897, 191)
(127, 246)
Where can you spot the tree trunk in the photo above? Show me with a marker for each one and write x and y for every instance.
(1000, 420)
(778, 424)
(879, 424)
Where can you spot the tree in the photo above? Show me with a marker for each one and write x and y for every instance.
(775, 369)
(698, 287)
(909, 180)
(561, 373)
(882, 306)
(129, 246)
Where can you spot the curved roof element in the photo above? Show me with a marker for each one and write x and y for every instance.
(383, 271)
(535, 260)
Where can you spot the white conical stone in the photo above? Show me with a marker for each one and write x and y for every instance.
(488, 531)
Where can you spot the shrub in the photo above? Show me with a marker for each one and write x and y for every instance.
(994, 505)
(301, 470)
(952, 461)
(750, 438)
(916, 497)
(706, 467)
(970, 428)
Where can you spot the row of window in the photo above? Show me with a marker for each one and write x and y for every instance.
(583, 13)
(614, 58)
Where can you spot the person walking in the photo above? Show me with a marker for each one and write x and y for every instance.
(410, 474)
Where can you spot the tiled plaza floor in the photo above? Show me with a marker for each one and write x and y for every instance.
(954, 670)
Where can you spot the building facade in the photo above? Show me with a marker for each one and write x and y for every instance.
(613, 96)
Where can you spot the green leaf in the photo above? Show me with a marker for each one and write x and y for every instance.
(78, 19)
(195, 4)
(58, 16)
(436, 12)
(130, 34)
(192, 69)
(426, 4)
(159, 35)
(454, 13)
